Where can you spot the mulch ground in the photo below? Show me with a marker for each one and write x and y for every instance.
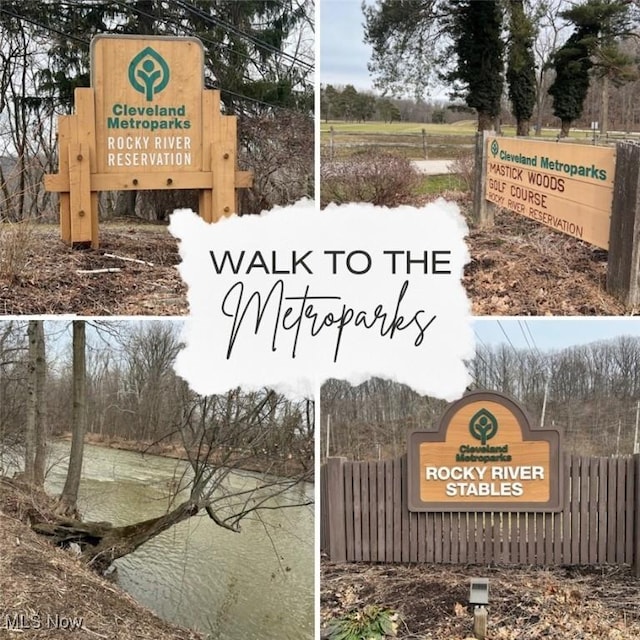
(42, 274)
(518, 267)
(39, 582)
(575, 603)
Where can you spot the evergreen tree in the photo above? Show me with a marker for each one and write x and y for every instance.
(244, 43)
(475, 28)
(594, 44)
(569, 89)
(521, 77)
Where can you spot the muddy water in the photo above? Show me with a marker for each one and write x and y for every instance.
(257, 584)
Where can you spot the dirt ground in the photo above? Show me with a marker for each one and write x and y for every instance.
(522, 268)
(518, 267)
(44, 588)
(575, 603)
(39, 274)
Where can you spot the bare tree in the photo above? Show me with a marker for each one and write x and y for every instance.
(35, 440)
(69, 495)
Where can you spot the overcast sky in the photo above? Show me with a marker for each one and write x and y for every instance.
(552, 333)
(343, 54)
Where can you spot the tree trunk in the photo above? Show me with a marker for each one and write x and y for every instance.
(126, 203)
(102, 543)
(604, 106)
(30, 423)
(40, 460)
(522, 127)
(485, 121)
(69, 495)
(564, 128)
(35, 443)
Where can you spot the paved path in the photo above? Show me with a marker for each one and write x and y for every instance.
(433, 167)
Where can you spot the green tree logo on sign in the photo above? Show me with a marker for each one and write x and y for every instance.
(495, 147)
(483, 425)
(148, 73)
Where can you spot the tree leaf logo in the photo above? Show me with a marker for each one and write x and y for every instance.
(495, 147)
(148, 73)
(483, 426)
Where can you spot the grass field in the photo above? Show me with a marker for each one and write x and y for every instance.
(440, 140)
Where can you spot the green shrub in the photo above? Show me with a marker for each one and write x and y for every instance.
(370, 623)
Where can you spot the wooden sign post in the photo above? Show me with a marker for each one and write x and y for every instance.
(145, 123)
(484, 457)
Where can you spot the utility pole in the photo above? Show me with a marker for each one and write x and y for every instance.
(636, 444)
(328, 434)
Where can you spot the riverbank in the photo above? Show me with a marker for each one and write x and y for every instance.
(282, 466)
(45, 589)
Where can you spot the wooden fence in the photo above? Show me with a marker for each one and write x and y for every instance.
(365, 517)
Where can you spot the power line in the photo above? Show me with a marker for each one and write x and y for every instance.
(86, 43)
(256, 41)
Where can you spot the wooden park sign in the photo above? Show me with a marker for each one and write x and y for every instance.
(145, 123)
(484, 457)
(568, 187)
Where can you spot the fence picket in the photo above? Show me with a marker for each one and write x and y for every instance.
(365, 517)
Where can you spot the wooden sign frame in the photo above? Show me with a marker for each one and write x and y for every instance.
(439, 438)
(78, 181)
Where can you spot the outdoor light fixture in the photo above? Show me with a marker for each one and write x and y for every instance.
(479, 592)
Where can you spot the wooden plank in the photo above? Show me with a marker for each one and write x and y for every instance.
(357, 513)
(480, 536)
(489, 547)
(472, 534)
(611, 512)
(602, 511)
(422, 530)
(575, 510)
(64, 139)
(622, 263)
(223, 161)
(584, 510)
(404, 509)
(566, 512)
(143, 181)
(84, 103)
(636, 537)
(437, 538)
(548, 539)
(446, 538)
(324, 511)
(210, 110)
(592, 465)
(381, 554)
(539, 553)
(364, 503)
(336, 509)
(462, 539)
(514, 549)
(523, 545)
(350, 534)
(79, 194)
(430, 533)
(504, 534)
(531, 538)
(413, 537)
(397, 506)
(388, 513)
(620, 509)
(630, 504)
